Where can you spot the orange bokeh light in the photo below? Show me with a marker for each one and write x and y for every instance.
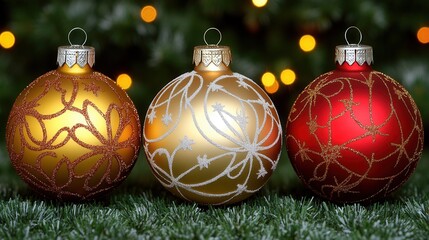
(7, 39)
(148, 13)
(124, 81)
(273, 88)
(423, 35)
(307, 43)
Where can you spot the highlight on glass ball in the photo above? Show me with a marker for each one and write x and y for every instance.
(212, 136)
(354, 134)
(73, 134)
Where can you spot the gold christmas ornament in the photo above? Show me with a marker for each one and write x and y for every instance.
(73, 134)
(212, 136)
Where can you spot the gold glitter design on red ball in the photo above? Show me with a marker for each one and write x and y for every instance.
(113, 154)
(323, 148)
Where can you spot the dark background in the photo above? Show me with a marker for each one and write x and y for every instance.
(261, 39)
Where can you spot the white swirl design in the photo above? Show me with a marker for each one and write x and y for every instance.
(212, 141)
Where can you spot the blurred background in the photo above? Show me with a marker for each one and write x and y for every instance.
(281, 44)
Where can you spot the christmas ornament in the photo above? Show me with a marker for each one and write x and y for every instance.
(212, 136)
(73, 134)
(354, 134)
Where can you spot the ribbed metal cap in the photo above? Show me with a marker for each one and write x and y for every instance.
(76, 54)
(353, 53)
(212, 54)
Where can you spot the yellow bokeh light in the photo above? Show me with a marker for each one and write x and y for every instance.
(7, 39)
(148, 13)
(259, 3)
(124, 81)
(268, 79)
(423, 35)
(273, 88)
(307, 43)
(287, 76)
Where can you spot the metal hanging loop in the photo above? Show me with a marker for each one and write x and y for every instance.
(220, 35)
(77, 28)
(360, 34)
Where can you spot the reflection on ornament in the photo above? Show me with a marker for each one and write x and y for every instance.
(354, 134)
(212, 136)
(73, 133)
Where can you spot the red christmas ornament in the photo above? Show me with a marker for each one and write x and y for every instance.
(354, 134)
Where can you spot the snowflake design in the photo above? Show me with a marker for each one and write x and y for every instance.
(166, 119)
(186, 143)
(241, 136)
(242, 83)
(203, 162)
(218, 107)
(151, 116)
(215, 87)
(262, 172)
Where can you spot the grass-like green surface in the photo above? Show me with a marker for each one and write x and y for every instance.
(141, 209)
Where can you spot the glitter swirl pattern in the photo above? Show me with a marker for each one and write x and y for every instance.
(354, 136)
(73, 137)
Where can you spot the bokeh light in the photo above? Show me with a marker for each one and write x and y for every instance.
(7, 39)
(273, 88)
(287, 76)
(307, 43)
(124, 81)
(268, 79)
(259, 3)
(148, 13)
(423, 35)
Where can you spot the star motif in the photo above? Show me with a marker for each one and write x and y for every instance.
(215, 87)
(166, 118)
(203, 162)
(241, 188)
(151, 116)
(242, 83)
(374, 130)
(92, 87)
(312, 125)
(186, 143)
(264, 104)
(348, 104)
(262, 172)
(331, 153)
(217, 107)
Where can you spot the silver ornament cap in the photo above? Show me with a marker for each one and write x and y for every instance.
(354, 53)
(76, 54)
